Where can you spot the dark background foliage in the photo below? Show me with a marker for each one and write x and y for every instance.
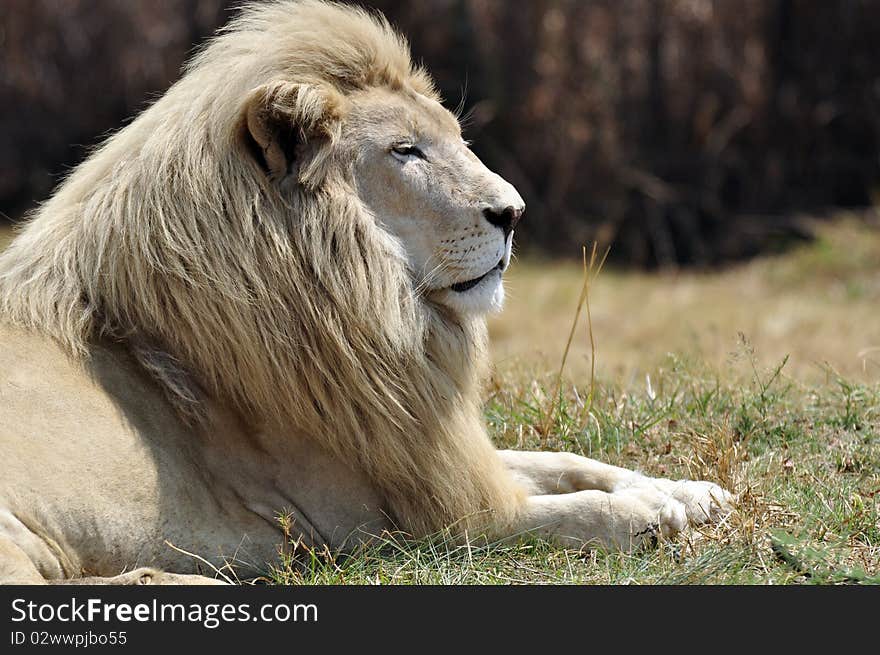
(678, 131)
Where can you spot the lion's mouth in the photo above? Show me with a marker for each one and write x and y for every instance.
(470, 284)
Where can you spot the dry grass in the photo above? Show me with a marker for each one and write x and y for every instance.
(818, 304)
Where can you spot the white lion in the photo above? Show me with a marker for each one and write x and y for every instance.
(265, 296)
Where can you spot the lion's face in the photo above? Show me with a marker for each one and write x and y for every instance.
(453, 216)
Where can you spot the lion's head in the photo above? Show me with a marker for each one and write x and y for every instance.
(405, 159)
(296, 230)
(417, 175)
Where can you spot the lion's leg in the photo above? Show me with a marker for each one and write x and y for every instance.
(563, 473)
(621, 520)
(145, 576)
(15, 565)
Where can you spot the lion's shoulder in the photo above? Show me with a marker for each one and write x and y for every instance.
(45, 391)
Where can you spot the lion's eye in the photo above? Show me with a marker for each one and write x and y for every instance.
(408, 150)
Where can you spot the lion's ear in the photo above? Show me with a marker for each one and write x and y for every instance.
(282, 119)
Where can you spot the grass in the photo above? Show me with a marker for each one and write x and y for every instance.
(805, 461)
(817, 304)
(764, 378)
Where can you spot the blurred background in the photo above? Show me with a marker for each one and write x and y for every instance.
(687, 135)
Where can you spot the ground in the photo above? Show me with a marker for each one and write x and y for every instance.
(764, 377)
(818, 304)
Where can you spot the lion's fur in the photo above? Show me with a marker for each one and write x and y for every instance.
(297, 311)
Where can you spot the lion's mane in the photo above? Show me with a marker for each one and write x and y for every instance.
(293, 308)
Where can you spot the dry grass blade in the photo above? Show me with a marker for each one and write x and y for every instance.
(219, 571)
(591, 271)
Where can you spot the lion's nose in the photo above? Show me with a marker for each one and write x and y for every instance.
(506, 218)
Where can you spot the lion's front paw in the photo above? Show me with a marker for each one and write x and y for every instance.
(641, 514)
(705, 502)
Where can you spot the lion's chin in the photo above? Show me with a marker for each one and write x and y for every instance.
(485, 297)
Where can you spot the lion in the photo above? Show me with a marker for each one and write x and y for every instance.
(266, 297)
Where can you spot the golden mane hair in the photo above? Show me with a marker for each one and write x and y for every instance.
(288, 304)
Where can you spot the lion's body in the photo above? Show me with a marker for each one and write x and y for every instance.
(104, 474)
(242, 305)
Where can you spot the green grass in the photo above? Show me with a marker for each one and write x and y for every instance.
(804, 460)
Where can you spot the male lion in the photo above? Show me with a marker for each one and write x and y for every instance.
(265, 296)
